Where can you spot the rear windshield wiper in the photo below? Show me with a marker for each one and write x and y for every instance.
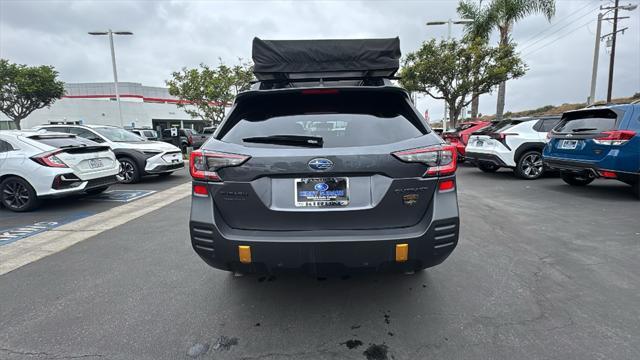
(293, 140)
(583, 129)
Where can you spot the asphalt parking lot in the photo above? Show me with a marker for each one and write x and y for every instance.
(542, 271)
(67, 209)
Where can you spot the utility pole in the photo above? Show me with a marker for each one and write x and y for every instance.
(596, 53)
(615, 18)
(613, 50)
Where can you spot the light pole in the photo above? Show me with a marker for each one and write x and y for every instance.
(449, 23)
(113, 63)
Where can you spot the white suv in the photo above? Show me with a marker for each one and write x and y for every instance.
(137, 156)
(514, 143)
(37, 165)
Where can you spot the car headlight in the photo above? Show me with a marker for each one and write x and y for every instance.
(151, 153)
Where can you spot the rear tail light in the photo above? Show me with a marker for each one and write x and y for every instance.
(203, 165)
(49, 159)
(614, 137)
(440, 159)
(190, 138)
(501, 136)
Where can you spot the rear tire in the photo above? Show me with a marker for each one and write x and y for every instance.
(530, 166)
(18, 195)
(96, 191)
(488, 167)
(576, 179)
(129, 171)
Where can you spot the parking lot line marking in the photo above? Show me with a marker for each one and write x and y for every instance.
(33, 248)
(11, 235)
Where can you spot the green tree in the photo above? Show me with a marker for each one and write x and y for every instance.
(206, 91)
(24, 89)
(503, 14)
(451, 70)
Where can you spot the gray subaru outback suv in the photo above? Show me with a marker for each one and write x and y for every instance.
(307, 173)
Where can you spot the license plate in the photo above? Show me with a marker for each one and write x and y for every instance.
(95, 163)
(568, 144)
(479, 143)
(321, 192)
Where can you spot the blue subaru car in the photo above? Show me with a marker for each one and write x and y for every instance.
(597, 142)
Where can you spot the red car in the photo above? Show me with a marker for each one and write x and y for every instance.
(460, 135)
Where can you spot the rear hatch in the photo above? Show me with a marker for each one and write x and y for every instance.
(581, 135)
(323, 159)
(87, 159)
(492, 136)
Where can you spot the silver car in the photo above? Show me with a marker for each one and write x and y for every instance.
(307, 178)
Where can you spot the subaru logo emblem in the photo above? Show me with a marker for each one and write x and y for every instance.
(320, 164)
(321, 187)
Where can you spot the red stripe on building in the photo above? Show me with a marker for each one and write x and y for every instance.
(145, 99)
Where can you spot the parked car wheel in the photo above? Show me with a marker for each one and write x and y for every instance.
(530, 166)
(576, 179)
(18, 195)
(129, 171)
(96, 191)
(488, 167)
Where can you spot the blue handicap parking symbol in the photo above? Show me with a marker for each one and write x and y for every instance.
(121, 195)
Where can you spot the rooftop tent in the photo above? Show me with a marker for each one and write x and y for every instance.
(315, 59)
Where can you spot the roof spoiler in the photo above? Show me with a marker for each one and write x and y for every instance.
(319, 61)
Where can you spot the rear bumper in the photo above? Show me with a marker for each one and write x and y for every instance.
(571, 166)
(165, 168)
(486, 158)
(429, 249)
(430, 242)
(86, 186)
(587, 168)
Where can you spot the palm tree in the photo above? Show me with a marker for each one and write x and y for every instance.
(480, 28)
(503, 14)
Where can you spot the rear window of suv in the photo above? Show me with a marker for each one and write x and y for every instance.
(589, 121)
(342, 119)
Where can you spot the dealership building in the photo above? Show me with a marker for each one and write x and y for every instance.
(95, 103)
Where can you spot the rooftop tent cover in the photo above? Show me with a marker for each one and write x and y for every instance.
(277, 59)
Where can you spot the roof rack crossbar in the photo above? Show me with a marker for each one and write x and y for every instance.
(326, 78)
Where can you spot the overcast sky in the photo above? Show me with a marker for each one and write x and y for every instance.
(173, 34)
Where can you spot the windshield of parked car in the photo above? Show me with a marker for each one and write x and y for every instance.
(463, 127)
(118, 134)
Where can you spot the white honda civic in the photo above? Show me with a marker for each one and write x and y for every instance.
(38, 165)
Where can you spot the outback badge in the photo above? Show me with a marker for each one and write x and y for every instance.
(410, 199)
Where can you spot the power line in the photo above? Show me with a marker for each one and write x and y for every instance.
(558, 30)
(556, 39)
(533, 38)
